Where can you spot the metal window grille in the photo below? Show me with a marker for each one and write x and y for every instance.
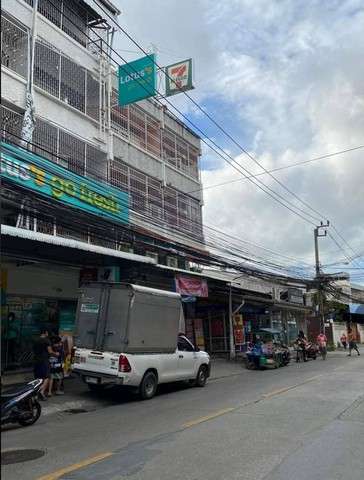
(170, 206)
(193, 155)
(11, 125)
(92, 97)
(72, 84)
(47, 68)
(155, 198)
(182, 154)
(51, 10)
(153, 143)
(72, 151)
(119, 175)
(14, 47)
(66, 80)
(45, 136)
(137, 126)
(95, 163)
(138, 190)
(169, 148)
(119, 116)
(74, 21)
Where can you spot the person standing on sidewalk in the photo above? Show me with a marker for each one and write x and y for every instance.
(42, 349)
(56, 367)
(352, 343)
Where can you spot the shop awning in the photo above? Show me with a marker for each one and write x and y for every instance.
(73, 244)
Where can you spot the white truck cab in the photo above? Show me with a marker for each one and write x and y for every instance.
(128, 336)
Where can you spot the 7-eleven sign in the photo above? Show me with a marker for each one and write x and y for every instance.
(178, 77)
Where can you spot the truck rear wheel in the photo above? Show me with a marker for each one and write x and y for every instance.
(201, 378)
(148, 386)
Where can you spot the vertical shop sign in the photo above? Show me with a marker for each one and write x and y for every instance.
(199, 336)
(238, 327)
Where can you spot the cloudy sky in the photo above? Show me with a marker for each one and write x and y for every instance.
(286, 79)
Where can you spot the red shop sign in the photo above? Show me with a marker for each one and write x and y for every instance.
(196, 287)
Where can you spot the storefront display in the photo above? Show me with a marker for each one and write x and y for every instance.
(22, 320)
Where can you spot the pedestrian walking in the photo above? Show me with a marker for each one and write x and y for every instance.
(56, 367)
(344, 340)
(352, 343)
(42, 349)
(322, 343)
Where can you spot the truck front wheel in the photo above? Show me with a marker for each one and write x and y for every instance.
(201, 378)
(148, 386)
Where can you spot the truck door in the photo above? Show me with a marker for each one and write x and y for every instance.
(186, 359)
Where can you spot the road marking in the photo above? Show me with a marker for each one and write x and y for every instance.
(286, 389)
(208, 417)
(84, 463)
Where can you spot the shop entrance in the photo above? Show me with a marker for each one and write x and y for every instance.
(22, 320)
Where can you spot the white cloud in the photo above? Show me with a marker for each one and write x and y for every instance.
(289, 73)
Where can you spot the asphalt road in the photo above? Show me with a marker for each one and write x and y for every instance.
(303, 421)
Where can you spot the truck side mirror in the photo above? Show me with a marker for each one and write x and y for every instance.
(197, 349)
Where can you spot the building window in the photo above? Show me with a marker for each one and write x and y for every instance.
(47, 69)
(73, 84)
(72, 151)
(159, 205)
(14, 46)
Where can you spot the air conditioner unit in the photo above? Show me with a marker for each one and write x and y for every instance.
(172, 262)
(153, 255)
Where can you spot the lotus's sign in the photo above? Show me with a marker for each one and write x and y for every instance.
(137, 80)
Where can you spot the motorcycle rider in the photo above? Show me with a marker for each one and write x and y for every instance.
(301, 342)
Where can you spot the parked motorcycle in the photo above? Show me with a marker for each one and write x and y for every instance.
(310, 349)
(21, 405)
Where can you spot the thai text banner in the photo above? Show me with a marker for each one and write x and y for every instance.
(51, 180)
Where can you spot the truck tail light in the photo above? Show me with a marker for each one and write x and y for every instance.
(124, 365)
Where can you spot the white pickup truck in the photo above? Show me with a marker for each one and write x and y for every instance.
(143, 371)
(127, 336)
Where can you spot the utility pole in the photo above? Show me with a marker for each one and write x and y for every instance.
(319, 276)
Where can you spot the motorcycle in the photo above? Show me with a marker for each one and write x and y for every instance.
(21, 405)
(309, 349)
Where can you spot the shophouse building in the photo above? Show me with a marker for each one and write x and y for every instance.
(112, 189)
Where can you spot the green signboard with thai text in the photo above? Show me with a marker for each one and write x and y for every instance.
(137, 80)
(51, 180)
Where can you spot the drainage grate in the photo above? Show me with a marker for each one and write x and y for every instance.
(73, 411)
(20, 455)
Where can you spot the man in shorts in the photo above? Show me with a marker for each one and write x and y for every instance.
(42, 349)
